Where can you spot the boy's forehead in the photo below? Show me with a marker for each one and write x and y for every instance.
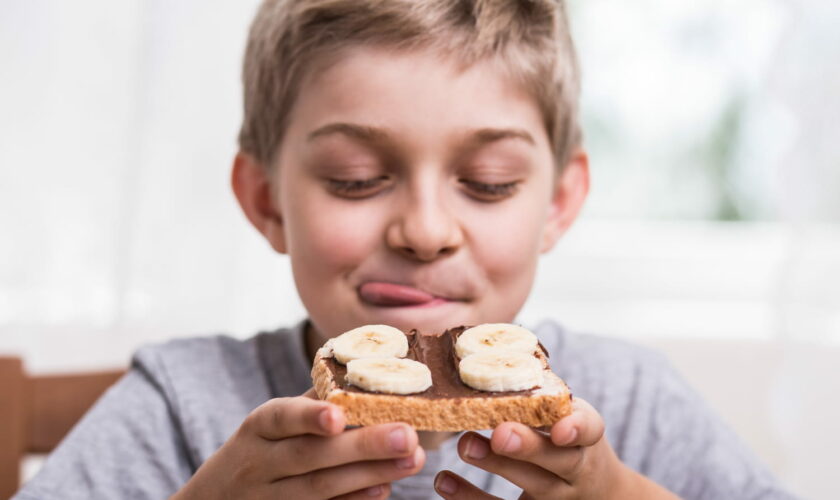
(371, 56)
(385, 89)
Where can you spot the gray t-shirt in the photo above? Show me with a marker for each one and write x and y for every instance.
(181, 400)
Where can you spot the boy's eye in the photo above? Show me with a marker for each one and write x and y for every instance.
(358, 188)
(483, 191)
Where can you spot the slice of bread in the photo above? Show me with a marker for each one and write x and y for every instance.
(449, 404)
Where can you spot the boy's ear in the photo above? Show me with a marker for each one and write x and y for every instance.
(251, 184)
(570, 190)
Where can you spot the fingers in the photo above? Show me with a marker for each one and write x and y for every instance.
(354, 477)
(452, 486)
(541, 464)
(519, 442)
(302, 454)
(285, 417)
(476, 450)
(584, 427)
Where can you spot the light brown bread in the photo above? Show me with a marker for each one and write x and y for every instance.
(542, 406)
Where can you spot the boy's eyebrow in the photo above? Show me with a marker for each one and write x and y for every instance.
(362, 132)
(367, 133)
(488, 135)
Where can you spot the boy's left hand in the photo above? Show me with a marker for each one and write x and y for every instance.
(574, 460)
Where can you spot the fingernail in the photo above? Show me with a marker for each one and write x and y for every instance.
(477, 448)
(572, 436)
(446, 484)
(399, 440)
(513, 443)
(408, 462)
(325, 419)
(373, 491)
(405, 463)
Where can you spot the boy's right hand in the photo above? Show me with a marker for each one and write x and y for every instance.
(298, 448)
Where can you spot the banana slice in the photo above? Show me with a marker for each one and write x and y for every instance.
(501, 371)
(370, 341)
(389, 375)
(489, 336)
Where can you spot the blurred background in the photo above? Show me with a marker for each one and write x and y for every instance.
(712, 231)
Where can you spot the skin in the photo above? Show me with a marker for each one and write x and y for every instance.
(398, 169)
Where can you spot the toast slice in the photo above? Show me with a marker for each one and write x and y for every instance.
(449, 404)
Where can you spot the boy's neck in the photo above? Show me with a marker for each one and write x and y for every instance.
(432, 440)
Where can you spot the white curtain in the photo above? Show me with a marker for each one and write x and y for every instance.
(118, 126)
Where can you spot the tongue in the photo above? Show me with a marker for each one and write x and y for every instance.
(390, 294)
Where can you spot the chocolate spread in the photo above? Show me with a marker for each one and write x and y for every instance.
(438, 353)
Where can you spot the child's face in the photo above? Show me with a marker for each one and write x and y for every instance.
(412, 194)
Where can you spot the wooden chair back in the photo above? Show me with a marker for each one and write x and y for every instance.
(36, 412)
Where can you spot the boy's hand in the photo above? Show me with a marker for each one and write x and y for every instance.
(298, 448)
(573, 461)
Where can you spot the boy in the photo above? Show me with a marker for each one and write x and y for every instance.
(413, 159)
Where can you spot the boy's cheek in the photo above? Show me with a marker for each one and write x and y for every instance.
(508, 239)
(507, 254)
(332, 241)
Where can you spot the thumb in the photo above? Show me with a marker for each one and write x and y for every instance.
(584, 427)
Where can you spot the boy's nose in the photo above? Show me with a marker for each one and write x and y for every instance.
(425, 232)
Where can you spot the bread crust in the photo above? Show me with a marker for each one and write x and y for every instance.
(542, 407)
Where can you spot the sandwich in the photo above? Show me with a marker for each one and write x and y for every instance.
(461, 379)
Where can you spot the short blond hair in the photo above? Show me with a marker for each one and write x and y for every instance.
(529, 37)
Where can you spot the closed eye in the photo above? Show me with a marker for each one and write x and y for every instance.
(483, 191)
(357, 188)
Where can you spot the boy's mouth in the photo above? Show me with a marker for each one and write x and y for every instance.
(383, 294)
